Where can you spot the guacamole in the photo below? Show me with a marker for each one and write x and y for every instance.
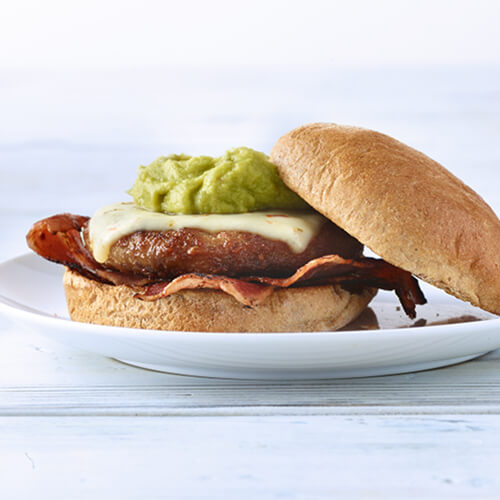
(241, 180)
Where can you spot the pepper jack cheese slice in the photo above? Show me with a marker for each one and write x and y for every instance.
(112, 222)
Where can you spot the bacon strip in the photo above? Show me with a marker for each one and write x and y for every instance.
(58, 239)
(330, 269)
(249, 294)
(354, 274)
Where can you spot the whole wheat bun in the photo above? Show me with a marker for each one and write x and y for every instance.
(401, 204)
(315, 308)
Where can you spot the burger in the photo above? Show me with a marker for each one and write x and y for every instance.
(249, 243)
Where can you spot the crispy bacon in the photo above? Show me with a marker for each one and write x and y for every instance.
(249, 294)
(354, 274)
(58, 239)
(330, 269)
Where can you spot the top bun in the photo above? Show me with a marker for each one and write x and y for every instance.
(401, 204)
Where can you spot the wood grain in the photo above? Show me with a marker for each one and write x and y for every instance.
(446, 457)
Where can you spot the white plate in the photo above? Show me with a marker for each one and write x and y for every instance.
(31, 294)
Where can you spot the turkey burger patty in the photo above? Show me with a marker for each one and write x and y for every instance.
(171, 253)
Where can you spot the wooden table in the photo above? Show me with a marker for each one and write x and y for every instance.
(76, 425)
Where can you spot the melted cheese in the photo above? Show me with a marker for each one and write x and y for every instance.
(113, 222)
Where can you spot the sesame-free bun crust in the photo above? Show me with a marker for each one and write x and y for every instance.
(400, 203)
(307, 309)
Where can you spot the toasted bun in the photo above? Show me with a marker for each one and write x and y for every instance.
(401, 204)
(315, 308)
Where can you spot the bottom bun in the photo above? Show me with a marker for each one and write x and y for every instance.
(306, 309)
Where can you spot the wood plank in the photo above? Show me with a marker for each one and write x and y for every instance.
(250, 457)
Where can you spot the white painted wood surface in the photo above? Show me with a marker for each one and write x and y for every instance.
(76, 425)
(250, 457)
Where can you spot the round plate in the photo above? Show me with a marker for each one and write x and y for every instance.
(381, 342)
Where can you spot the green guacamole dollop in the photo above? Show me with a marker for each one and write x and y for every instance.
(241, 180)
